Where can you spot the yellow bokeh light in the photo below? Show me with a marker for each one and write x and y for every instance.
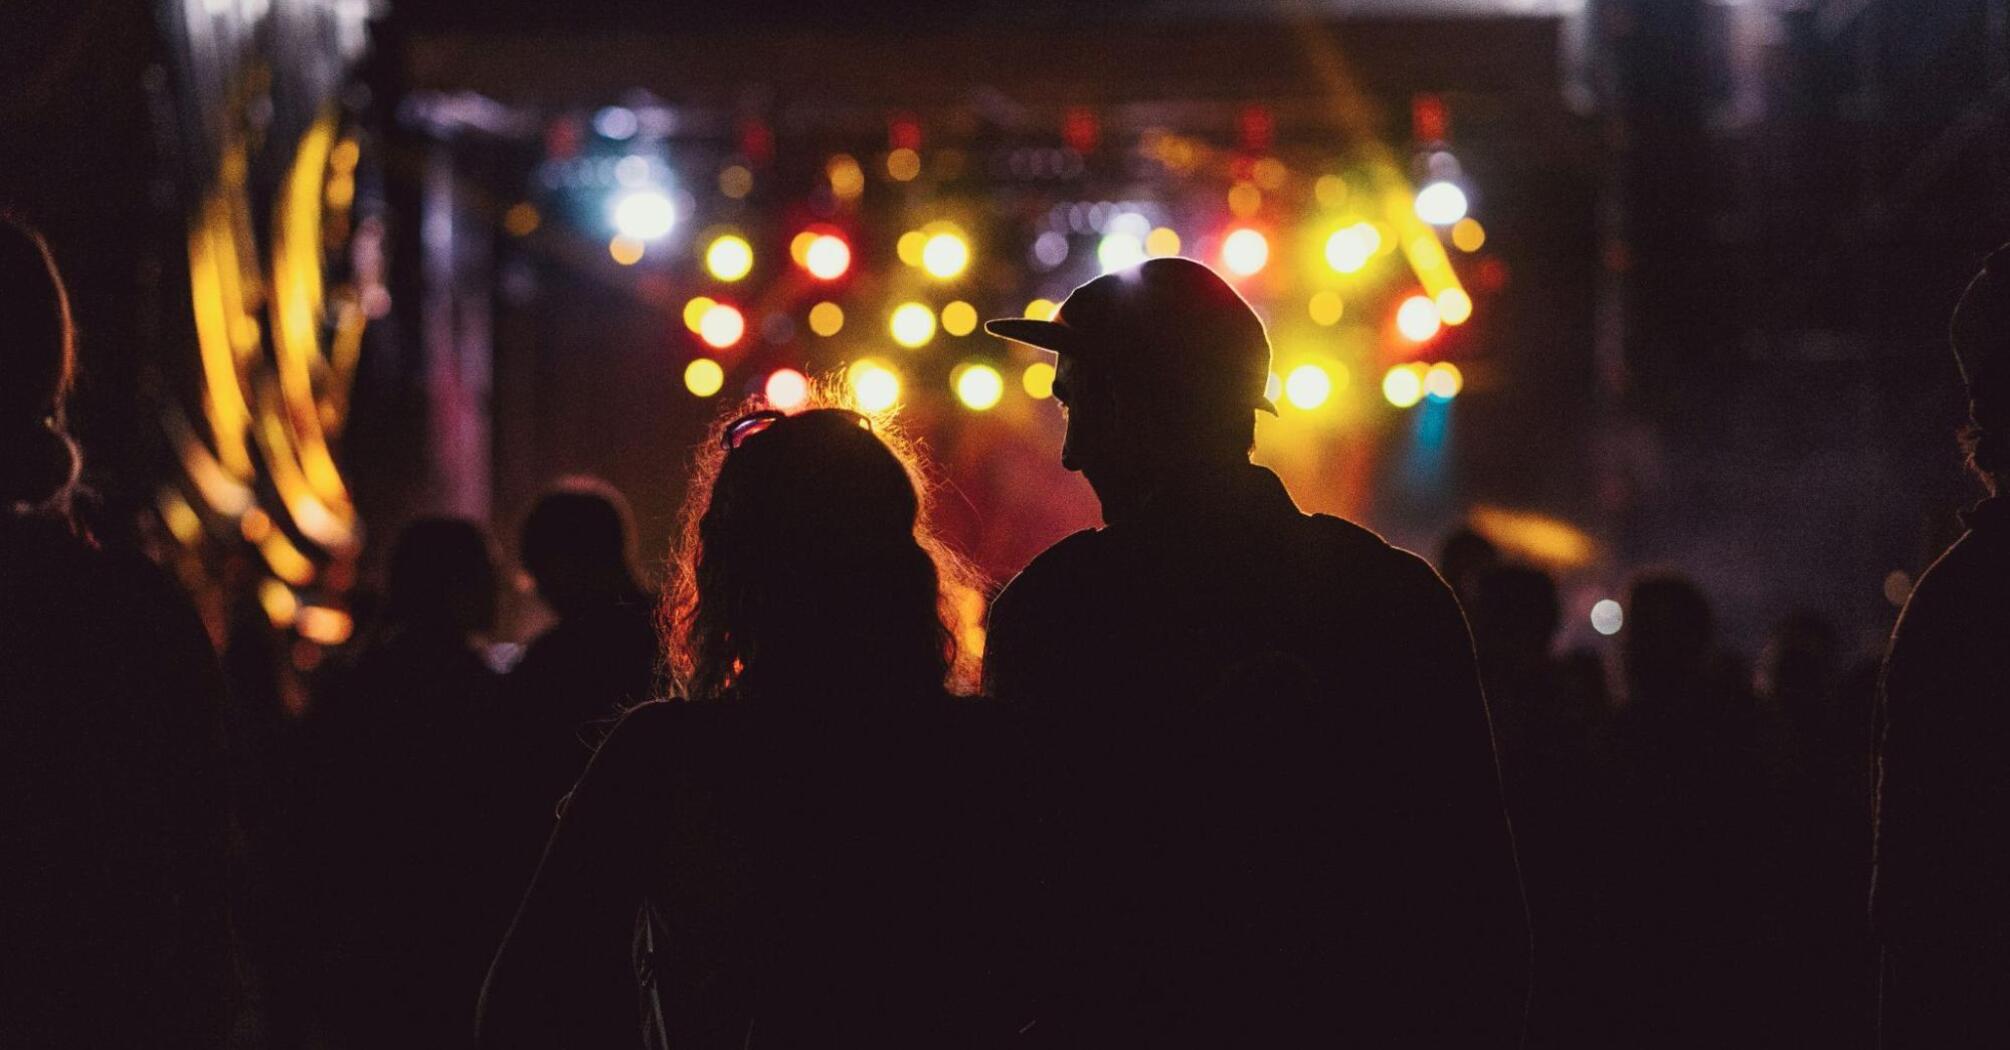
(521, 220)
(827, 257)
(1454, 306)
(1245, 252)
(944, 255)
(1331, 191)
(703, 377)
(1418, 318)
(799, 246)
(736, 181)
(625, 250)
(1468, 235)
(730, 257)
(959, 318)
(1244, 200)
(874, 386)
(280, 603)
(1326, 308)
(826, 319)
(847, 178)
(979, 387)
(1404, 385)
(1270, 173)
(912, 325)
(1162, 242)
(324, 626)
(722, 326)
(1038, 380)
(1273, 388)
(1308, 386)
(1350, 247)
(909, 247)
(787, 389)
(1042, 309)
(903, 164)
(1444, 381)
(694, 312)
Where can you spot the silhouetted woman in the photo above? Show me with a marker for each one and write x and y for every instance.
(113, 806)
(819, 837)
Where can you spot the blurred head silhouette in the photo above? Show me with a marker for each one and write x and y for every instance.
(1515, 613)
(38, 462)
(441, 579)
(577, 544)
(806, 561)
(1668, 635)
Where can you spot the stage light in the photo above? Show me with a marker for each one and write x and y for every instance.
(521, 219)
(1403, 386)
(826, 256)
(959, 318)
(909, 247)
(903, 164)
(1444, 381)
(1331, 191)
(912, 324)
(735, 181)
(1042, 309)
(1441, 203)
(729, 257)
(633, 171)
(703, 377)
(1607, 617)
(1468, 235)
(1119, 251)
(826, 319)
(1326, 308)
(722, 326)
(1455, 307)
(979, 387)
(1038, 381)
(1162, 242)
(1308, 387)
(945, 255)
(694, 312)
(1350, 247)
(1245, 252)
(1417, 318)
(617, 122)
(874, 386)
(1244, 200)
(847, 178)
(1050, 249)
(645, 215)
(625, 250)
(787, 389)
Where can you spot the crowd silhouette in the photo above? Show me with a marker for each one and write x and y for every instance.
(1236, 774)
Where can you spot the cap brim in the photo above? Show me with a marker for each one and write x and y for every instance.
(1047, 335)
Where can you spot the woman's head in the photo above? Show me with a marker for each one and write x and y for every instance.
(806, 557)
(38, 464)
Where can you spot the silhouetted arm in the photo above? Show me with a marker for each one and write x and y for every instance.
(1455, 873)
(564, 976)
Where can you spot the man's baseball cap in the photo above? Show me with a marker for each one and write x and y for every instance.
(1168, 322)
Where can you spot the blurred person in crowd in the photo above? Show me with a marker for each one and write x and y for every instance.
(1465, 556)
(115, 820)
(404, 900)
(1546, 711)
(1941, 886)
(1691, 843)
(819, 839)
(602, 655)
(1266, 756)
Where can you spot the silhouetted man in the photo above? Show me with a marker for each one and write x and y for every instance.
(1941, 896)
(601, 656)
(1269, 776)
